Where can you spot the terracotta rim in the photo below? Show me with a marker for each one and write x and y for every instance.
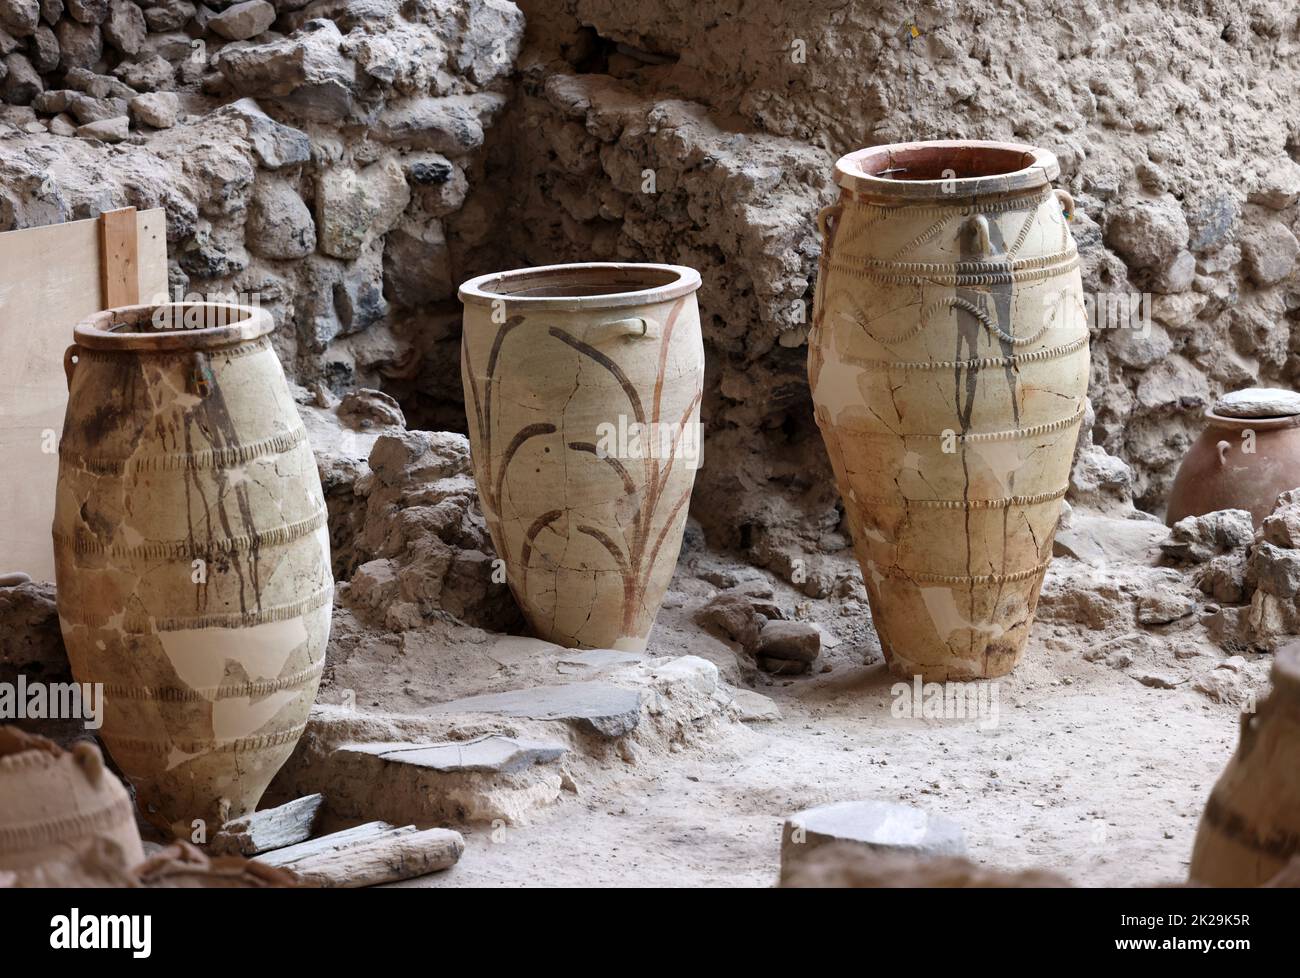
(582, 286)
(119, 329)
(980, 168)
(1259, 424)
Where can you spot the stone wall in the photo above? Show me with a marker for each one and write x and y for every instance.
(350, 162)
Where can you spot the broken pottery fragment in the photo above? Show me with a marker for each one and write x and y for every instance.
(64, 819)
(583, 385)
(949, 369)
(192, 554)
(1250, 829)
(1246, 456)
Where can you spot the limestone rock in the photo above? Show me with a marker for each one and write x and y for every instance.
(150, 74)
(44, 53)
(106, 130)
(877, 826)
(363, 408)
(169, 15)
(158, 109)
(492, 754)
(741, 612)
(20, 17)
(352, 209)
(243, 20)
(80, 45)
(1196, 539)
(275, 144)
(87, 109)
(280, 224)
(799, 641)
(446, 125)
(22, 83)
(1279, 187)
(417, 264)
(1269, 252)
(88, 11)
(125, 27)
(97, 86)
(30, 640)
(1148, 232)
(308, 70)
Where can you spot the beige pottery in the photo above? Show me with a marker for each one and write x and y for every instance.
(192, 554)
(949, 365)
(556, 362)
(64, 819)
(1250, 828)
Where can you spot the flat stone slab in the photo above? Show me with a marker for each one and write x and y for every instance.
(609, 710)
(492, 754)
(1259, 402)
(597, 659)
(1099, 540)
(880, 826)
(754, 707)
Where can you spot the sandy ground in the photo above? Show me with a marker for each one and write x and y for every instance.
(1086, 771)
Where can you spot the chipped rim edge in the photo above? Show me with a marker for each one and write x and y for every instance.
(1040, 173)
(96, 332)
(475, 291)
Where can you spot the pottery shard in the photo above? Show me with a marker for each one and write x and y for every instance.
(1258, 402)
(125, 27)
(608, 710)
(353, 208)
(280, 224)
(799, 641)
(243, 20)
(158, 109)
(20, 17)
(877, 826)
(1147, 233)
(445, 125)
(1269, 253)
(271, 828)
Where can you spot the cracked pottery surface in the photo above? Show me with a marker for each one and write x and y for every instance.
(192, 554)
(949, 368)
(552, 359)
(1250, 828)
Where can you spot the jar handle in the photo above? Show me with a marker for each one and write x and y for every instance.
(70, 357)
(977, 226)
(825, 216)
(1223, 447)
(636, 324)
(1067, 203)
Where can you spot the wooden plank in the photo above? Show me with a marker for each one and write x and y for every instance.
(119, 258)
(328, 843)
(383, 859)
(50, 279)
(271, 828)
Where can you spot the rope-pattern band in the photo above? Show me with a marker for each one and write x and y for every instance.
(185, 550)
(212, 458)
(244, 745)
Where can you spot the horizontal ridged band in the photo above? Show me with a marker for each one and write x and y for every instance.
(1011, 434)
(1005, 502)
(212, 458)
(26, 836)
(184, 549)
(143, 625)
(1006, 276)
(177, 694)
(242, 745)
(978, 363)
(921, 577)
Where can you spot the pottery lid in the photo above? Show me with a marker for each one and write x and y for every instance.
(946, 168)
(1258, 402)
(582, 286)
(172, 327)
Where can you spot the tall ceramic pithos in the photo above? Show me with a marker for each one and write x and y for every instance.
(949, 366)
(1250, 829)
(192, 554)
(582, 390)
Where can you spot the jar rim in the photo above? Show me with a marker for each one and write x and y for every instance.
(946, 169)
(215, 324)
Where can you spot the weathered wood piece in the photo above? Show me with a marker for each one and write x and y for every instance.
(272, 828)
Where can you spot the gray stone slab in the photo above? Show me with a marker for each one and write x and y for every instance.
(611, 711)
(881, 826)
(492, 754)
(596, 659)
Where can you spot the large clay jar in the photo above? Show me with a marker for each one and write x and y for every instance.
(1238, 462)
(949, 365)
(192, 554)
(64, 819)
(564, 366)
(1250, 828)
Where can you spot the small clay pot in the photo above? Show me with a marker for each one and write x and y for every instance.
(65, 820)
(1250, 830)
(1237, 463)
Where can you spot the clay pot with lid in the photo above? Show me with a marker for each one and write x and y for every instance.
(948, 361)
(1240, 461)
(191, 553)
(562, 365)
(1250, 829)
